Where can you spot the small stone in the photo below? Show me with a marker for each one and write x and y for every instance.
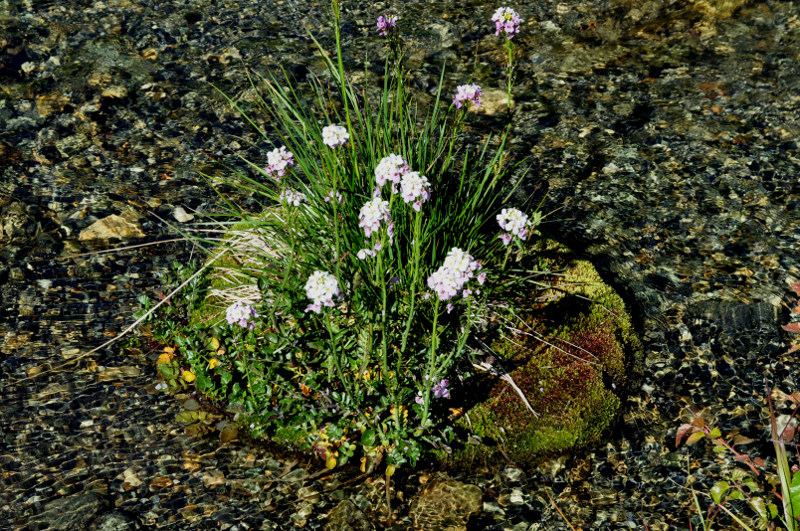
(116, 92)
(181, 215)
(213, 478)
(493, 101)
(110, 227)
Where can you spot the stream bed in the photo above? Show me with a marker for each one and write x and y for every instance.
(665, 133)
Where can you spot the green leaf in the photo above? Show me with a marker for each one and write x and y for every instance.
(693, 438)
(715, 434)
(759, 507)
(736, 495)
(718, 491)
(368, 438)
(794, 494)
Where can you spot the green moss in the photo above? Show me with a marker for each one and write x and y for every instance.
(572, 371)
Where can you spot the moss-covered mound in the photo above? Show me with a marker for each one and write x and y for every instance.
(572, 356)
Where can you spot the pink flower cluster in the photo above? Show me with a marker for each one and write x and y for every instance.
(241, 314)
(391, 168)
(515, 223)
(277, 161)
(459, 267)
(334, 135)
(415, 187)
(468, 94)
(386, 24)
(292, 198)
(321, 288)
(333, 194)
(507, 22)
(372, 214)
(439, 389)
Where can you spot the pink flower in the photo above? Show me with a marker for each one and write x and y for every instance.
(334, 135)
(372, 214)
(386, 24)
(241, 314)
(415, 187)
(507, 22)
(277, 161)
(457, 270)
(468, 94)
(391, 168)
(440, 389)
(321, 288)
(506, 237)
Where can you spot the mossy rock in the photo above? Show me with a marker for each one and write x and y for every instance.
(573, 357)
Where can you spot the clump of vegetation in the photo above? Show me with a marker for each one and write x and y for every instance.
(340, 317)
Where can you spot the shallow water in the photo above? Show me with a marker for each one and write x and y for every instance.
(666, 134)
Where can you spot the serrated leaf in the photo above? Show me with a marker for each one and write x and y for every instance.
(736, 495)
(759, 507)
(693, 438)
(718, 448)
(698, 422)
(718, 491)
(773, 511)
(681, 432)
(715, 434)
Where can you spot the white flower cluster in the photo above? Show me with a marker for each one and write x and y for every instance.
(459, 267)
(372, 214)
(415, 187)
(292, 198)
(241, 314)
(321, 288)
(391, 168)
(514, 222)
(334, 135)
(277, 161)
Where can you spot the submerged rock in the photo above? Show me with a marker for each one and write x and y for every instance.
(110, 227)
(446, 504)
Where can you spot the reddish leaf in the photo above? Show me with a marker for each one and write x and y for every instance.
(792, 327)
(796, 309)
(698, 422)
(788, 433)
(794, 397)
(758, 461)
(681, 432)
(793, 349)
(741, 457)
(795, 287)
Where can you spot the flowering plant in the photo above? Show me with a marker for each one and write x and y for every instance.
(359, 329)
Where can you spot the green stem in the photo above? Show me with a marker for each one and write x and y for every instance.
(414, 280)
(345, 102)
(510, 67)
(508, 252)
(426, 402)
(335, 354)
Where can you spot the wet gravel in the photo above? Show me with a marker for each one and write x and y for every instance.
(665, 133)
